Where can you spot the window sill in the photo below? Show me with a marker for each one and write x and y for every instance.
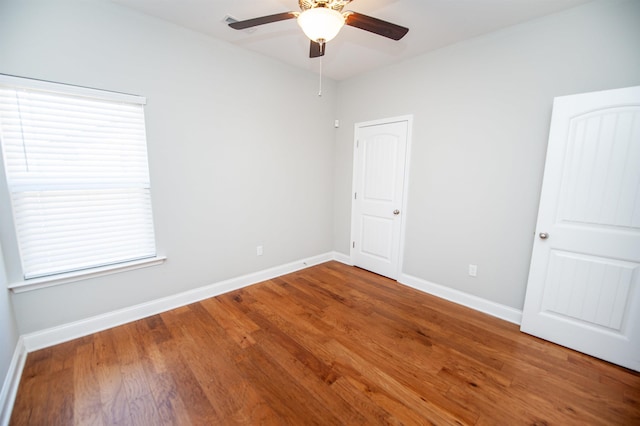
(38, 283)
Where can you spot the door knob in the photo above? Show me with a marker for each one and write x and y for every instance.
(396, 212)
(543, 235)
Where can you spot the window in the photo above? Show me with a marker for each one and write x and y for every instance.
(77, 172)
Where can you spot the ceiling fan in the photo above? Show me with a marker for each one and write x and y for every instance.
(321, 20)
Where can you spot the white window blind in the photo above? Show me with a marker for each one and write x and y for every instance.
(77, 171)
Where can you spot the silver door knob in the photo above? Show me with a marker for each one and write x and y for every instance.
(396, 212)
(543, 235)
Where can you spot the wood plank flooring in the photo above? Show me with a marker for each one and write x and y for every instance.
(329, 345)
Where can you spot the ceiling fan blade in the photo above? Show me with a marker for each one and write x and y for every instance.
(241, 25)
(375, 25)
(316, 49)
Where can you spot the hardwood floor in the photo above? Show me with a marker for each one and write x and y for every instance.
(328, 345)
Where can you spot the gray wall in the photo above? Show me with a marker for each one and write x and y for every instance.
(240, 149)
(481, 120)
(8, 326)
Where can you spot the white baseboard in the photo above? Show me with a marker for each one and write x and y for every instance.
(342, 258)
(63, 333)
(11, 382)
(504, 312)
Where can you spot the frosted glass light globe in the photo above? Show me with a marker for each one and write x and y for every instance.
(321, 23)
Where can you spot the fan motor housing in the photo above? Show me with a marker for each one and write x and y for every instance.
(331, 4)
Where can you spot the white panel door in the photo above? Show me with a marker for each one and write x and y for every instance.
(583, 290)
(379, 175)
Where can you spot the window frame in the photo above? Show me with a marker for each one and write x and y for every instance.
(86, 272)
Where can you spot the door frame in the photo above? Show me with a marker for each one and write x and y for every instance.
(405, 188)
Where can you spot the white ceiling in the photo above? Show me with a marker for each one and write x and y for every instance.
(432, 24)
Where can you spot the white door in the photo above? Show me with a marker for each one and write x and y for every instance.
(380, 157)
(583, 290)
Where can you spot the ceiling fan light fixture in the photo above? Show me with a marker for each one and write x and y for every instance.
(321, 24)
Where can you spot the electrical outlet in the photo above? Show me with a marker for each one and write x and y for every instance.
(258, 250)
(473, 270)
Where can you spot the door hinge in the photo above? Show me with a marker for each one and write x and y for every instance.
(354, 244)
(355, 195)
(358, 144)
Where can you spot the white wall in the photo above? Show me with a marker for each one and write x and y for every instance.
(240, 149)
(481, 119)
